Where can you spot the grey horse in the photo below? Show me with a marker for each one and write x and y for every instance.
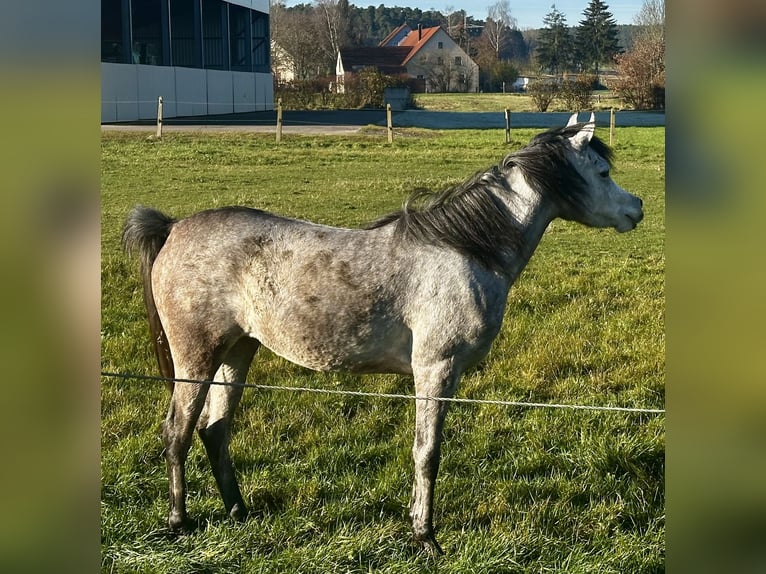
(420, 292)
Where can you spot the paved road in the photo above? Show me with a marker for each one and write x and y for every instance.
(349, 121)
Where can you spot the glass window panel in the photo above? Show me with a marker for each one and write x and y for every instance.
(214, 46)
(147, 32)
(261, 47)
(185, 37)
(239, 38)
(112, 49)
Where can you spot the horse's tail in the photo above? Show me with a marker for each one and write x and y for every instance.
(145, 232)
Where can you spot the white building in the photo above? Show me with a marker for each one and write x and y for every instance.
(427, 55)
(202, 56)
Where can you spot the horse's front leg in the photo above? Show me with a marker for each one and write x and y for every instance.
(429, 420)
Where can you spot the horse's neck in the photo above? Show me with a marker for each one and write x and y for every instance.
(533, 214)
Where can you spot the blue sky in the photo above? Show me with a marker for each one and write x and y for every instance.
(528, 13)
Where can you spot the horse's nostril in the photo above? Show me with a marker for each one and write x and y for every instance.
(640, 202)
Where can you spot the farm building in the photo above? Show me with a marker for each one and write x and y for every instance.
(202, 56)
(425, 54)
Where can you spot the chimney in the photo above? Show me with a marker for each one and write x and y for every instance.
(420, 32)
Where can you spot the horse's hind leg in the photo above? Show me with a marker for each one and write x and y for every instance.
(214, 425)
(186, 404)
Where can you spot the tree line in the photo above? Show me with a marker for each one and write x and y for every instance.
(311, 34)
(640, 79)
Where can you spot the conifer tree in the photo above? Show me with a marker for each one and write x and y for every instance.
(596, 37)
(555, 45)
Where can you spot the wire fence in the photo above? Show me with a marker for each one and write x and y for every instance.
(367, 394)
(390, 396)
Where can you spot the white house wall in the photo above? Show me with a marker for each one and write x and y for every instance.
(425, 60)
(130, 91)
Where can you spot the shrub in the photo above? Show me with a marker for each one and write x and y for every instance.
(304, 94)
(576, 94)
(362, 89)
(543, 93)
(501, 72)
(642, 75)
(366, 88)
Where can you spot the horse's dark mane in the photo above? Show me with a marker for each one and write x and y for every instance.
(471, 219)
(466, 217)
(546, 167)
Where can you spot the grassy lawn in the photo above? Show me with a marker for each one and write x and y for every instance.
(516, 102)
(328, 478)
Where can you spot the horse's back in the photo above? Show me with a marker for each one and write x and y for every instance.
(323, 297)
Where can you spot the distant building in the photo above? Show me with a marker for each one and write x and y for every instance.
(202, 56)
(425, 54)
(520, 84)
(282, 65)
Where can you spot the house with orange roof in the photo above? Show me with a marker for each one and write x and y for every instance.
(428, 55)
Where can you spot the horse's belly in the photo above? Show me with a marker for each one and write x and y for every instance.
(349, 360)
(382, 350)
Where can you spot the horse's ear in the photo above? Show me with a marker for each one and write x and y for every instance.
(572, 120)
(582, 138)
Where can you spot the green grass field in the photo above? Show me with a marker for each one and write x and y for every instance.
(328, 478)
(492, 102)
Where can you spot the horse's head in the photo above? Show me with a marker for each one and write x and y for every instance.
(603, 203)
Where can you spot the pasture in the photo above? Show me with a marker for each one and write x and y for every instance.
(328, 478)
(494, 102)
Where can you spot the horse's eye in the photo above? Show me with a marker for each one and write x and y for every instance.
(604, 173)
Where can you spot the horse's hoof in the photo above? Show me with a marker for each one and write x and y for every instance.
(429, 546)
(238, 512)
(178, 523)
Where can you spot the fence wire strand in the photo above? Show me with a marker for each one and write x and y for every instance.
(391, 396)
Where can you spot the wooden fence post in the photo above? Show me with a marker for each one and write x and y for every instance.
(389, 124)
(507, 125)
(159, 118)
(611, 127)
(279, 120)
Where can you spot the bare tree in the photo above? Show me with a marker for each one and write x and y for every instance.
(292, 32)
(332, 25)
(498, 25)
(448, 13)
(651, 18)
(642, 70)
(651, 22)
(278, 56)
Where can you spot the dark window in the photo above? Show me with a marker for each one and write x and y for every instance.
(146, 16)
(440, 45)
(190, 33)
(113, 28)
(239, 38)
(185, 33)
(260, 43)
(214, 47)
(458, 61)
